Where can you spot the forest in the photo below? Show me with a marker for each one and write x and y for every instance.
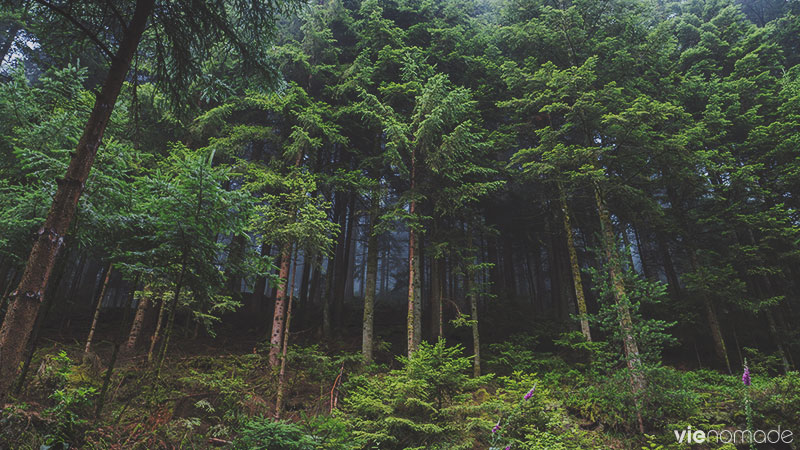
(399, 224)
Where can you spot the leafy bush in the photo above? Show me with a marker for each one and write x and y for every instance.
(777, 401)
(228, 388)
(54, 371)
(518, 353)
(67, 413)
(529, 416)
(429, 403)
(328, 432)
(669, 397)
(265, 434)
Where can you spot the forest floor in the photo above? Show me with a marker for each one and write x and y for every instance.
(221, 393)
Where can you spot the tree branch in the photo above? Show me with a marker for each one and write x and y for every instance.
(93, 37)
(118, 15)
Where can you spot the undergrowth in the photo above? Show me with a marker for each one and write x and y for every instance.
(529, 400)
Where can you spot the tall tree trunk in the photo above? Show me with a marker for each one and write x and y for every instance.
(632, 356)
(440, 298)
(280, 306)
(553, 270)
(326, 300)
(5, 269)
(27, 298)
(575, 267)
(304, 279)
(97, 309)
(344, 265)
(711, 316)
(469, 275)
(316, 278)
(494, 269)
(777, 336)
(4, 299)
(173, 306)
(768, 291)
(413, 293)
(476, 340)
(157, 332)
(716, 333)
(362, 277)
(101, 398)
(350, 279)
(568, 302)
(413, 267)
(285, 346)
(780, 320)
(331, 270)
(37, 327)
(541, 287)
(419, 281)
(367, 338)
(386, 272)
(75, 283)
(436, 297)
(669, 268)
(509, 272)
(529, 277)
(138, 321)
(641, 251)
(626, 241)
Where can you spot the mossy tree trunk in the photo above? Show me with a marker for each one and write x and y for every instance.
(413, 322)
(632, 357)
(367, 337)
(580, 299)
(469, 275)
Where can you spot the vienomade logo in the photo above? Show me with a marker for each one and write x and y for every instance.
(733, 436)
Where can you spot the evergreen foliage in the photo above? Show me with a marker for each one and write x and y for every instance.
(598, 199)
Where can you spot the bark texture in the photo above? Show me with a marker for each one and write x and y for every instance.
(414, 322)
(580, 299)
(138, 322)
(367, 337)
(279, 315)
(285, 349)
(473, 307)
(97, 309)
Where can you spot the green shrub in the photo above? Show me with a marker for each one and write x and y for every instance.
(777, 400)
(669, 397)
(71, 405)
(429, 403)
(518, 353)
(328, 432)
(265, 434)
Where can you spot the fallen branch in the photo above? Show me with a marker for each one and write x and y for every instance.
(217, 442)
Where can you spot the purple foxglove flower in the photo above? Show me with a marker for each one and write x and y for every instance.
(530, 393)
(508, 447)
(746, 376)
